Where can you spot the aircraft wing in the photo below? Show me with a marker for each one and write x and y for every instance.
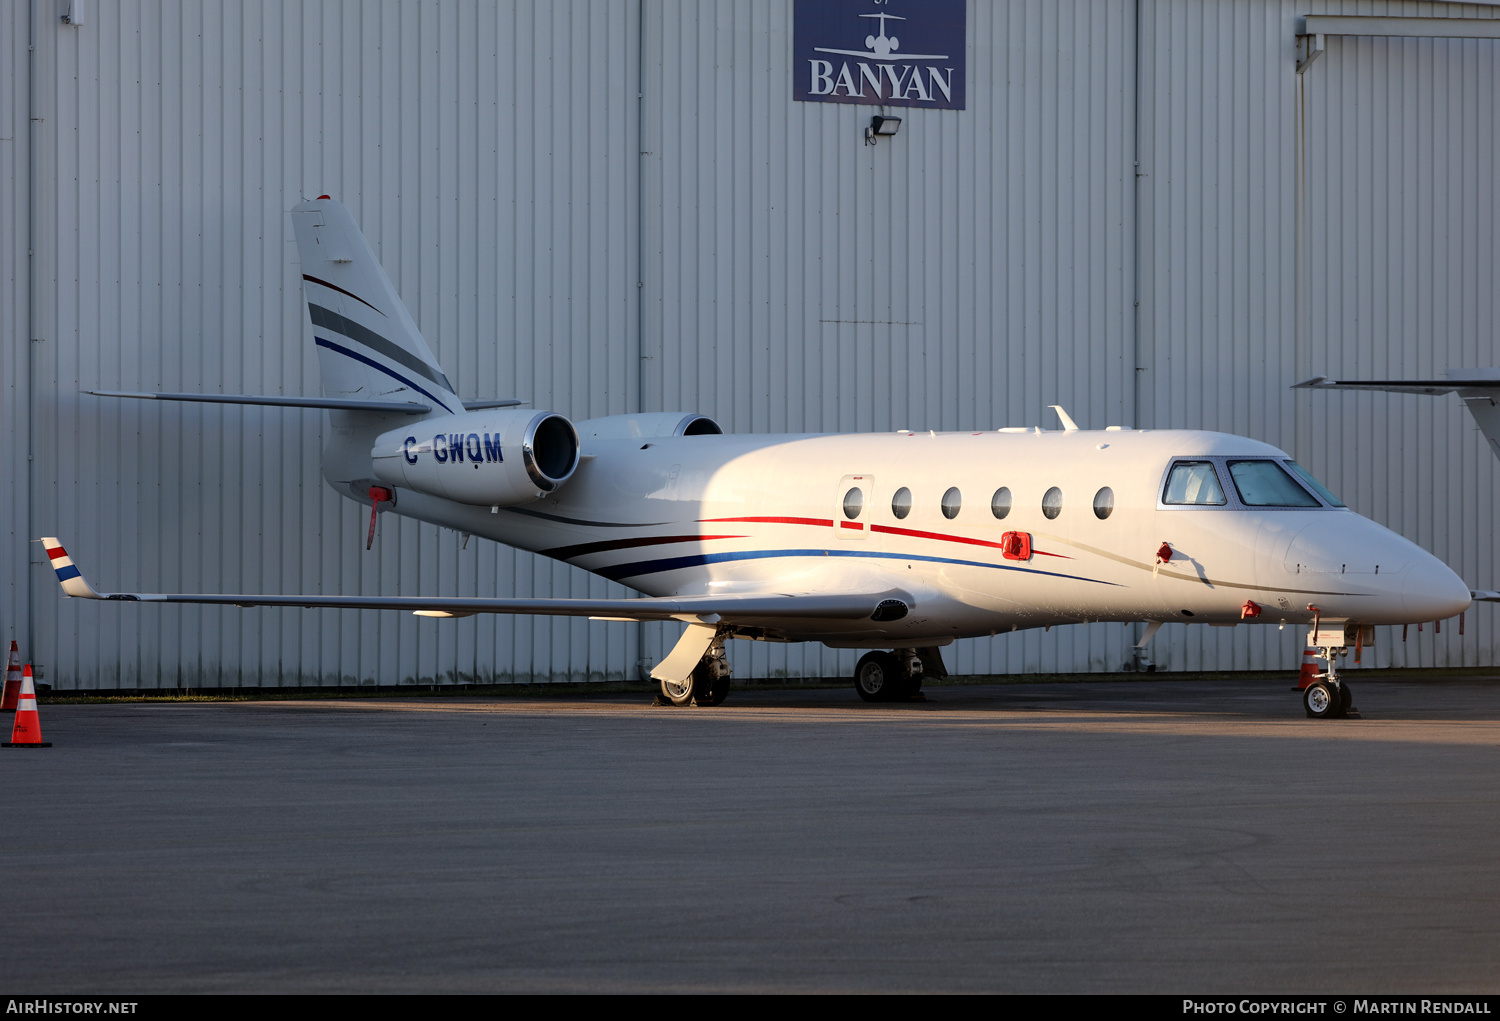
(692, 609)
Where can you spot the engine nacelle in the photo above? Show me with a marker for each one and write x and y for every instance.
(489, 458)
(652, 425)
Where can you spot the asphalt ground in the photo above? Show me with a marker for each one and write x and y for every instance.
(1154, 835)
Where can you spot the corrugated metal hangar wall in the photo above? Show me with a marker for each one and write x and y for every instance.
(605, 207)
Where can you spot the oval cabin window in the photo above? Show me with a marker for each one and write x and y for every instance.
(901, 503)
(1052, 503)
(1000, 502)
(952, 501)
(854, 502)
(1104, 503)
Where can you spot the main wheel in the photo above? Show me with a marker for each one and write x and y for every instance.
(1320, 701)
(1346, 698)
(878, 678)
(678, 692)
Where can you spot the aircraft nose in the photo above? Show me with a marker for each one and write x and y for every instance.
(1432, 591)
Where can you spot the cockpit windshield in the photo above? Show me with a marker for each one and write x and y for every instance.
(1267, 484)
(1194, 483)
(1313, 484)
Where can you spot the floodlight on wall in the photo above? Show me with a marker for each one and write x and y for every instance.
(881, 125)
(75, 13)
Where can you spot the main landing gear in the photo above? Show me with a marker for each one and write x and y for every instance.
(1328, 698)
(888, 676)
(707, 685)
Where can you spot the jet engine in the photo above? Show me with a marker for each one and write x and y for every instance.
(489, 458)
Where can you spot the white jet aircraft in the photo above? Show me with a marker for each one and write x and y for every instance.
(897, 543)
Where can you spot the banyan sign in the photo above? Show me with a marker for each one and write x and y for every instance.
(880, 52)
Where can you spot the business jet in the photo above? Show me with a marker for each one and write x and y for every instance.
(895, 543)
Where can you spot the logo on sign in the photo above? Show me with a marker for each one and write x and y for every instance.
(880, 52)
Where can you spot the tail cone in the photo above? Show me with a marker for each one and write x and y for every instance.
(27, 732)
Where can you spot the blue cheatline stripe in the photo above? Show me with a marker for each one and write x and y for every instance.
(641, 567)
(64, 573)
(330, 345)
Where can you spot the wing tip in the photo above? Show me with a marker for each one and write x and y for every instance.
(68, 575)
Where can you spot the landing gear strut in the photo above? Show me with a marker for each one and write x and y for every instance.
(1328, 698)
(888, 676)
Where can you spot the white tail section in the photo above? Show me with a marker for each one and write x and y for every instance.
(368, 345)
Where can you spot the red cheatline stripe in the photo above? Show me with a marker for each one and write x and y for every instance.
(58, 552)
(852, 524)
(915, 534)
(821, 522)
(941, 537)
(912, 532)
(333, 287)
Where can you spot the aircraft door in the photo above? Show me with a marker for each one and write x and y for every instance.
(851, 515)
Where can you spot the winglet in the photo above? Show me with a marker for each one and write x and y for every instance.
(68, 575)
(1069, 426)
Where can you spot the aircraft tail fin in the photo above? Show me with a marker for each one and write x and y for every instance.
(369, 347)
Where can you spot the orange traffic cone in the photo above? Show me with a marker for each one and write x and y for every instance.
(12, 678)
(27, 732)
(1309, 669)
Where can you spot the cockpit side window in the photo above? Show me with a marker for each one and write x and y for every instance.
(1194, 483)
(1267, 484)
(1313, 484)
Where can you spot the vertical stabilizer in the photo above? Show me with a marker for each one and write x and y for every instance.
(368, 345)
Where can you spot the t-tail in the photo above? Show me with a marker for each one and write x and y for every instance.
(369, 347)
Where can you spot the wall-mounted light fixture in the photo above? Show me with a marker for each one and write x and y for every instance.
(75, 13)
(881, 125)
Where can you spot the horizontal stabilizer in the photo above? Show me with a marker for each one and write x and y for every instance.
(1479, 389)
(509, 402)
(332, 403)
(692, 609)
(1484, 595)
(1429, 387)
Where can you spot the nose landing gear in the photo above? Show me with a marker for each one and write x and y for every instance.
(1328, 698)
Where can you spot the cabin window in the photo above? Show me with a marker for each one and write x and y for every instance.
(854, 502)
(1267, 484)
(901, 503)
(1104, 503)
(952, 501)
(1313, 484)
(1195, 484)
(1000, 502)
(1052, 503)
